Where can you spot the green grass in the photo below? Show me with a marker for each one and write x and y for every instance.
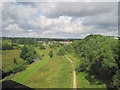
(82, 82)
(8, 59)
(75, 60)
(7, 41)
(57, 73)
(6, 51)
(53, 72)
(33, 68)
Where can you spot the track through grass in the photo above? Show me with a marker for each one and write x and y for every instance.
(82, 82)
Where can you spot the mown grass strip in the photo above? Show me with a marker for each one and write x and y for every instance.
(57, 73)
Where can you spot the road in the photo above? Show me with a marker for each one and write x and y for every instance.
(74, 73)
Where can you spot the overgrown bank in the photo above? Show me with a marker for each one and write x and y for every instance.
(99, 59)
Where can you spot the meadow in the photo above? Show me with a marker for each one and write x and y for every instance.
(53, 72)
(8, 59)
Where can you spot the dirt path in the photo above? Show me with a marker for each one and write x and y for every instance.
(74, 73)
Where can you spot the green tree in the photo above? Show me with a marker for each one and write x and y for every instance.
(42, 46)
(15, 61)
(51, 54)
(61, 51)
(99, 58)
(19, 68)
(28, 54)
(23, 52)
(7, 47)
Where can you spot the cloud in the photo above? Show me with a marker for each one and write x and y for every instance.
(28, 19)
(13, 27)
(80, 9)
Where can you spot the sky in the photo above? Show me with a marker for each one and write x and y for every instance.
(59, 19)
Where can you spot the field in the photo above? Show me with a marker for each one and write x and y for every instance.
(47, 73)
(56, 66)
(8, 59)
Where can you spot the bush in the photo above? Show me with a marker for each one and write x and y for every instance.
(15, 61)
(28, 54)
(19, 68)
(41, 46)
(51, 54)
(7, 47)
(61, 52)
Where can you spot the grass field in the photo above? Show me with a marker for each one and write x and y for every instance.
(48, 73)
(82, 82)
(8, 59)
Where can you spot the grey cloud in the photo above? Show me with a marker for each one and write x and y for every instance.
(80, 9)
(52, 19)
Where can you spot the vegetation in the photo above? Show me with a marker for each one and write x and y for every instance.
(15, 61)
(53, 72)
(11, 60)
(96, 59)
(61, 51)
(26, 41)
(82, 81)
(7, 47)
(19, 68)
(56, 45)
(99, 59)
(51, 54)
(28, 54)
(42, 47)
(32, 69)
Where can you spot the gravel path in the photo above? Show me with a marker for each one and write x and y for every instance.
(74, 74)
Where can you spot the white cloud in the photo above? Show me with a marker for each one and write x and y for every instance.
(13, 27)
(58, 19)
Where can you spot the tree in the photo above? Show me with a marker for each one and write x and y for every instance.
(7, 47)
(23, 52)
(99, 57)
(15, 61)
(61, 51)
(41, 46)
(19, 68)
(28, 54)
(51, 54)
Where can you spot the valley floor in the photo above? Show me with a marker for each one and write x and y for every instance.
(56, 72)
(53, 72)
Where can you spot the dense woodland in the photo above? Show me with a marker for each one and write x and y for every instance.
(99, 56)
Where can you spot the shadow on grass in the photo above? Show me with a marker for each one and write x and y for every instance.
(12, 84)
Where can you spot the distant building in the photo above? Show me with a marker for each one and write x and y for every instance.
(65, 42)
(44, 43)
(40, 42)
(50, 43)
(115, 37)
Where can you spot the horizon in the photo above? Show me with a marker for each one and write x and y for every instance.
(58, 37)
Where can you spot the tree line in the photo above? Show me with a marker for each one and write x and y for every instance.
(99, 59)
